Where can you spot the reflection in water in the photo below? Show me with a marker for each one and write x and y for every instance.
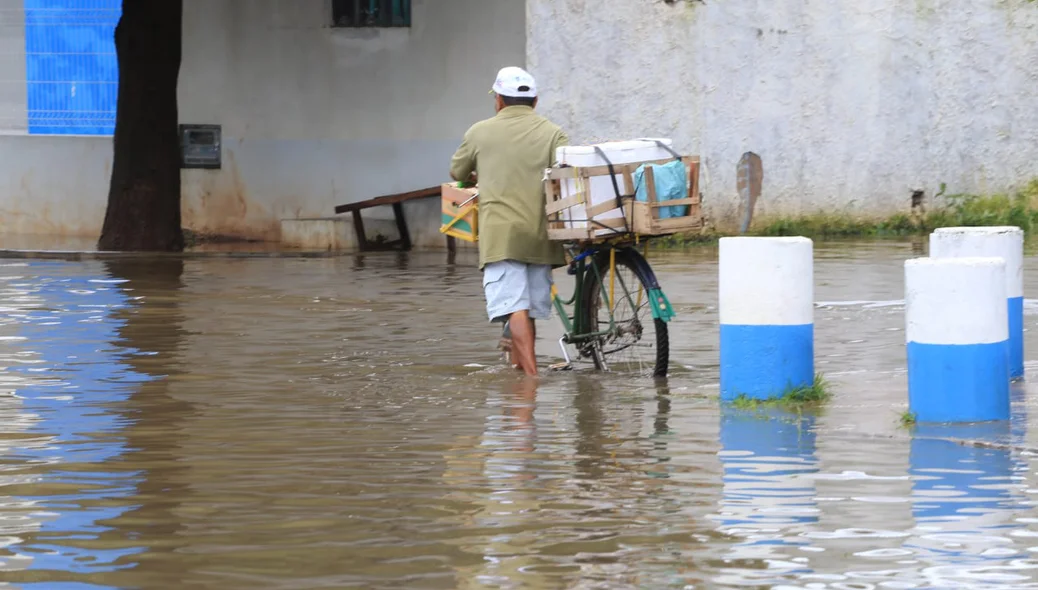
(153, 329)
(1018, 409)
(87, 364)
(359, 262)
(76, 388)
(403, 261)
(964, 504)
(508, 449)
(334, 423)
(662, 435)
(920, 245)
(769, 494)
(553, 475)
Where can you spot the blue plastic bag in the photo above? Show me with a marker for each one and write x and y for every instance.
(671, 183)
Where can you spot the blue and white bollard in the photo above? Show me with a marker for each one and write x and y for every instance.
(766, 291)
(996, 242)
(957, 334)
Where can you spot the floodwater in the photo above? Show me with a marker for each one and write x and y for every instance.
(345, 423)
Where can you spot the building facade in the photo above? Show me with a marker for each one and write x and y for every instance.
(323, 102)
(319, 103)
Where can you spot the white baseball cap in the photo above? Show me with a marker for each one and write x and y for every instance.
(515, 83)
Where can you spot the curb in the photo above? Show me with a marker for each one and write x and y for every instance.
(80, 255)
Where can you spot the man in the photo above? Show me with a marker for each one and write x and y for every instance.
(508, 154)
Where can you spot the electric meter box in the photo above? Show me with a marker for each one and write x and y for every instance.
(200, 146)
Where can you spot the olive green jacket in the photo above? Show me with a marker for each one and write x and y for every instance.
(509, 153)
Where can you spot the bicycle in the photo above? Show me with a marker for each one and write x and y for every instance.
(619, 312)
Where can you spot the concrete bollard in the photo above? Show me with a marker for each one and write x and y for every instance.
(957, 334)
(997, 242)
(766, 304)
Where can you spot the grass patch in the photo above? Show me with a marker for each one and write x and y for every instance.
(829, 225)
(1019, 209)
(793, 398)
(908, 418)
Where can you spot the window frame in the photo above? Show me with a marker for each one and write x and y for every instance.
(385, 17)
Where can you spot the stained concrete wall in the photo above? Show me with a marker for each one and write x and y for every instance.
(850, 105)
(54, 185)
(315, 116)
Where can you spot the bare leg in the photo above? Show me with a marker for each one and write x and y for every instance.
(522, 342)
(505, 344)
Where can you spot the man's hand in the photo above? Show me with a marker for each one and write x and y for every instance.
(470, 180)
(463, 164)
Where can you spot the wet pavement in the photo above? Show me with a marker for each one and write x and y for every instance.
(345, 422)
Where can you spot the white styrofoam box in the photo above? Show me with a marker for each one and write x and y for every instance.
(618, 152)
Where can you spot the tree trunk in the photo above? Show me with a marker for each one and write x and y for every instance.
(144, 196)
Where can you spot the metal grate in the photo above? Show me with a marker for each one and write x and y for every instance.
(371, 13)
(58, 68)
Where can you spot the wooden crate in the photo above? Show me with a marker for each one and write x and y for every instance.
(459, 212)
(568, 214)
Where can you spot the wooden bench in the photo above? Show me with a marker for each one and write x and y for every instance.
(397, 202)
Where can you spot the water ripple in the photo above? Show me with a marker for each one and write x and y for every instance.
(337, 423)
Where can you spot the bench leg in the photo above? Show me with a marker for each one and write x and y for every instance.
(358, 226)
(401, 226)
(452, 250)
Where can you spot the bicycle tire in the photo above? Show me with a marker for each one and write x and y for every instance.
(602, 348)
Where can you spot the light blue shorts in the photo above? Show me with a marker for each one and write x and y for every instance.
(512, 286)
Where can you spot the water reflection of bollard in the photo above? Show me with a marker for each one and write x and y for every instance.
(768, 496)
(1018, 414)
(957, 332)
(950, 478)
(963, 500)
(766, 291)
(996, 242)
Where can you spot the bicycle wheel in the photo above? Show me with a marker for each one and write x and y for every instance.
(638, 342)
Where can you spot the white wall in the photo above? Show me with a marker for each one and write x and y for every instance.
(851, 105)
(315, 116)
(54, 185)
(13, 95)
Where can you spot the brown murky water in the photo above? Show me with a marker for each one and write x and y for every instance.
(340, 423)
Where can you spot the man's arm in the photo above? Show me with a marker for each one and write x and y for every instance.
(561, 139)
(463, 164)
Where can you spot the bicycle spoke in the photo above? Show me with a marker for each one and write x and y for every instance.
(631, 345)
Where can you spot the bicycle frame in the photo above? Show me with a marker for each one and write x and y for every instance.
(583, 264)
